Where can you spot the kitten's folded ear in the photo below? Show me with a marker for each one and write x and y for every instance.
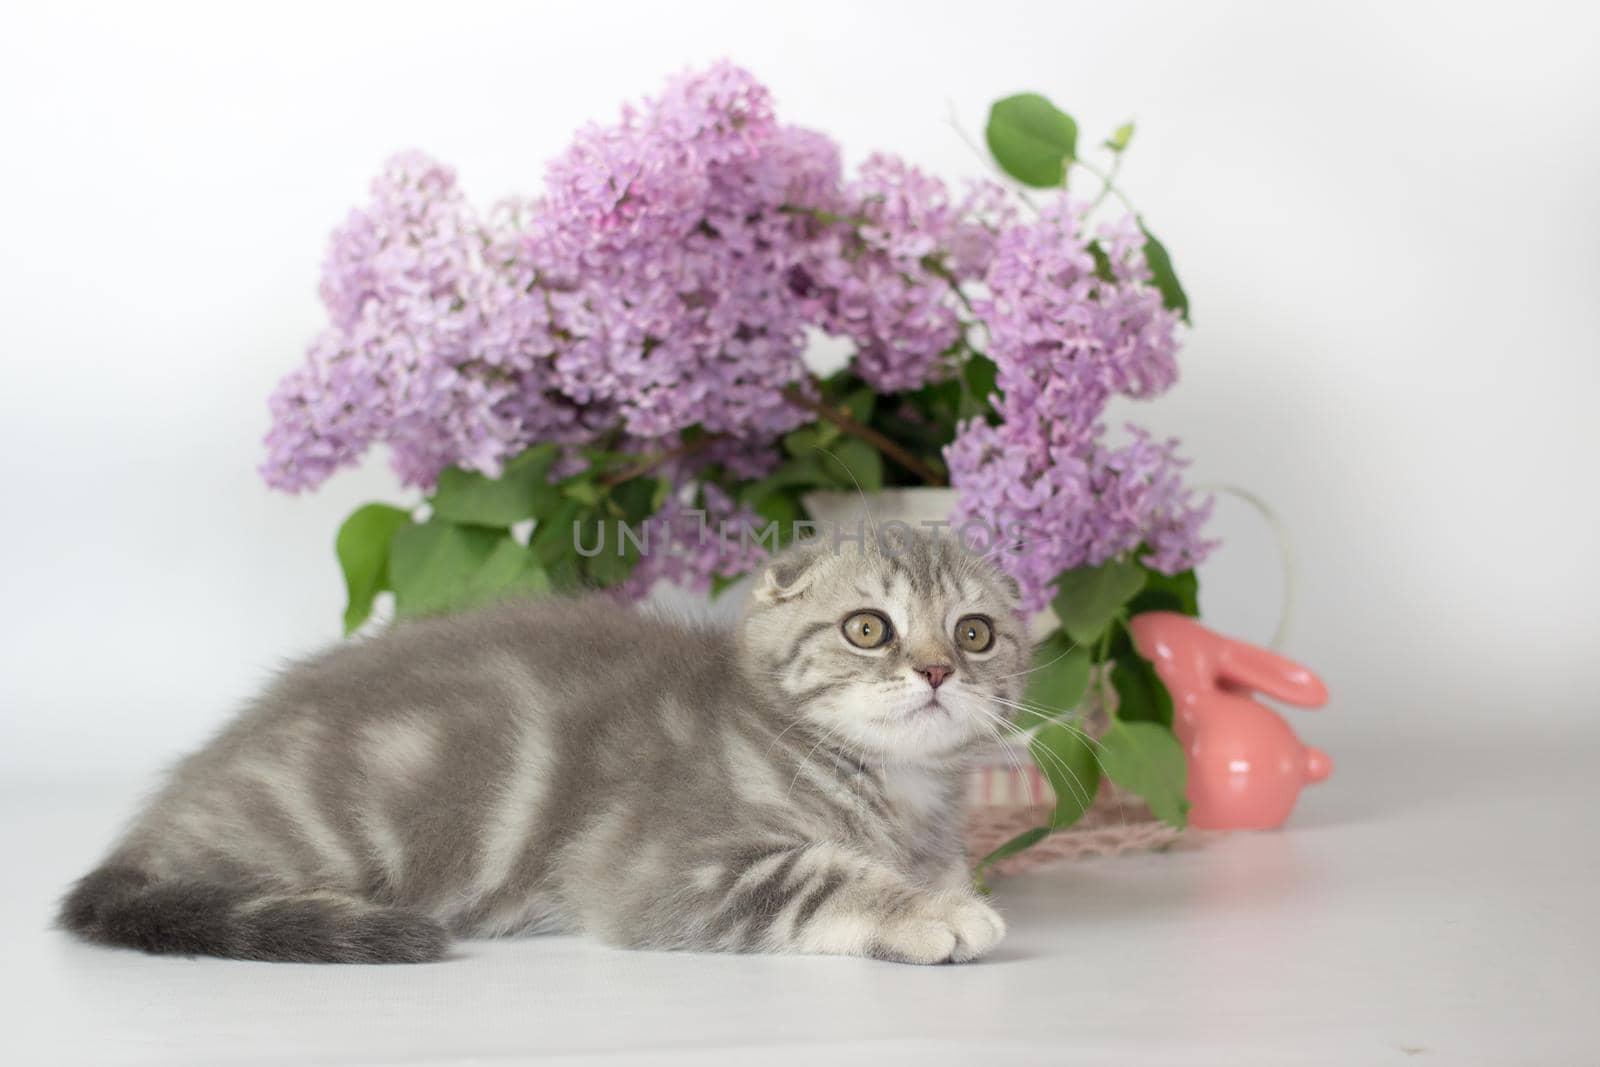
(788, 575)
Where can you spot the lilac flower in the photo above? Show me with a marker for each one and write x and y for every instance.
(665, 279)
(649, 286)
(673, 235)
(886, 278)
(1066, 337)
(436, 345)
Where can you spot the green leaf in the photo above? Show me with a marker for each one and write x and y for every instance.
(1021, 843)
(805, 441)
(431, 565)
(978, 376)
(663, 490)
(924, 420)
(1144, 758)
(552, 538)
(934, 398)
(1088, 598)
(1168, 592)
(1057, 682)
(776, 498)
(1162, 274)
(564, 576)
(509, 567)
(852, 462)
(363, 550)
(1032, 139)
(1067, 759)
(583, 488)
(617, 557)
(1068, 762)
(781, 508)
(860, 404)
(438, 567)
(530, 581)
(470, 497)
(1102, 263)
(806, 473)
(1118, 141)
(634, 500)
(721, 583)
(1141, 695)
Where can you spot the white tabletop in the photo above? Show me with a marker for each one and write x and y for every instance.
(1431, 903)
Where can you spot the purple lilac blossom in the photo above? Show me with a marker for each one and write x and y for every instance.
(672, 236)
(435, 343)
(649, 287)
(886, 279)
(1065, 340)
(664, 281)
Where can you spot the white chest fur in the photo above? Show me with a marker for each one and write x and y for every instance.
(917, 794)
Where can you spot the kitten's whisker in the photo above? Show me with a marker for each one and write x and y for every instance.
(1060, 715)
(1009, 750)
(1068, 771)
(829, 732)
(872, 524)
(785, 730)
(1042, 666)
(968, 705)
(1057, 717)
(1022, 773)
(1060, 719)
(1055, 761)
(1002, 546)
(1016, 764)
(1032, 707)
(1092, 742)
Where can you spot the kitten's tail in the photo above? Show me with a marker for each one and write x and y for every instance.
(125, 907)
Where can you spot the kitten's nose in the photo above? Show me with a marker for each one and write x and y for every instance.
(935, 673)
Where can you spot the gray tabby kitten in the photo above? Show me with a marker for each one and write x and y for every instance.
(575, 765)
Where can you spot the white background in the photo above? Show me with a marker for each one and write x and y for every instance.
(1385, 216)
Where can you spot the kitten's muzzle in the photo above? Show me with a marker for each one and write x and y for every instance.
(935, 673)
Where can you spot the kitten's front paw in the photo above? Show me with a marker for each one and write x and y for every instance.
(951, 929)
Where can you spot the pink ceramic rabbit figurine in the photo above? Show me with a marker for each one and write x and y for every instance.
(1246, 766)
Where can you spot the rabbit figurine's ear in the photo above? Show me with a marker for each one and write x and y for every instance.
(1246, 666)
(790, 574)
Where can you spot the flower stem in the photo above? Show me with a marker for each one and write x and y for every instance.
(1108, 184)
(935, 266)
(987, 160)
(649, 463)
(840, 418)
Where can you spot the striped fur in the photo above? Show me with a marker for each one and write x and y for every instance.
(576, 765)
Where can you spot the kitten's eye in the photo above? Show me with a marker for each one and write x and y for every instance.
(867, 629)
(974, 633)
